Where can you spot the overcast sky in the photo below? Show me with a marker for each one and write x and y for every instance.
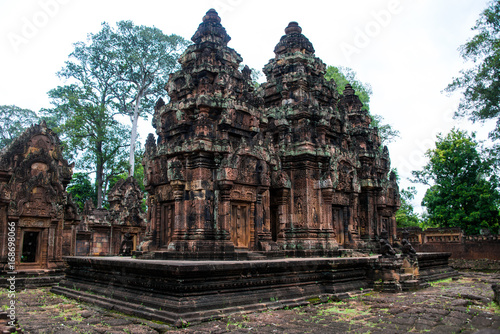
(406, 50)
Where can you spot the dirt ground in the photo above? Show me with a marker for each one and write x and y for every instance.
(462, 305)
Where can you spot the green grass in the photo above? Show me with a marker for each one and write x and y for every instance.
(436, 283)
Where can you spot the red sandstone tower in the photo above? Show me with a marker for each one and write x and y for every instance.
(207, 175)
(292, 168)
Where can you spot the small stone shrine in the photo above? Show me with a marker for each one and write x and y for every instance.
(33, 179)
(103, 231)
(254, 194)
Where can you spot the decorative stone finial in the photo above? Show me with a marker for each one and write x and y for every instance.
(293, 28)
(211, 16)
(247, 72)
(348, 90)
(293, 41)
(210, 30)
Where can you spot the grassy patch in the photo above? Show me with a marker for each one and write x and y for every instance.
(491, 307)
(436, 283)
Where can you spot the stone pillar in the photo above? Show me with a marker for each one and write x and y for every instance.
(283, 201)
(179, 221)
(224, 208)
(370, 217)
(326, 208)
(354, 220)
(264, 237)
(156, 222)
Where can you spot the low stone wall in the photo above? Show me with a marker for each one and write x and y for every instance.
(30, 279)
(452, 240)
(467, 249)
(476, 265)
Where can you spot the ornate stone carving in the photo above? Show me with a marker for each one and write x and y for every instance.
(33, 179)
(223, 145)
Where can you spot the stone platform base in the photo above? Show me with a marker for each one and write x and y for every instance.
(35, 278)
(182, 291)
(434, 266)
(193, 291)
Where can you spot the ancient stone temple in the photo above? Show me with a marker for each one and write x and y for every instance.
(293, 167)
(33, 199)
(103, 231)
(260, 190)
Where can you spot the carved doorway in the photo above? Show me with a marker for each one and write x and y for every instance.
(338, 223)
(29, 252)
(240, 225)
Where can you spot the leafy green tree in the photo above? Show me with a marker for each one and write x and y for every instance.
(84, 110)
(144, 59)
(406, 215)
(345, 75)
(13, 121)
(81, 189)
(480, 83)
(463, 186)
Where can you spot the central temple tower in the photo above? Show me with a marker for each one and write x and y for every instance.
(291, 168)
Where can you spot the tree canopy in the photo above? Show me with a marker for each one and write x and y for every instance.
(13, 121)
(81, 190)
(117, 71)
(463, 186)
(406, 215)
(84, 108)
(145, 58)
(480, 83)
(345, 75)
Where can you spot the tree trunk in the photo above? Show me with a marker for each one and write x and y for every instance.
(99, 174)
(134, 135)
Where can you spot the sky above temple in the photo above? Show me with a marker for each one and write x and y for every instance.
(407, 50)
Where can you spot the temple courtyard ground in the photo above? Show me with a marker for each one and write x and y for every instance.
(460, 305)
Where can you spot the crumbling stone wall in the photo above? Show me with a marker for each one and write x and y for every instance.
(290, 167)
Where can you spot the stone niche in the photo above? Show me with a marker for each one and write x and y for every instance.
(255, 193)
(291, 168)
(103, 231)
(33, 179)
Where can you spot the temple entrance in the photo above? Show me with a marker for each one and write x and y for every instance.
(240, 225)
(340, 218)
(30, 247)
